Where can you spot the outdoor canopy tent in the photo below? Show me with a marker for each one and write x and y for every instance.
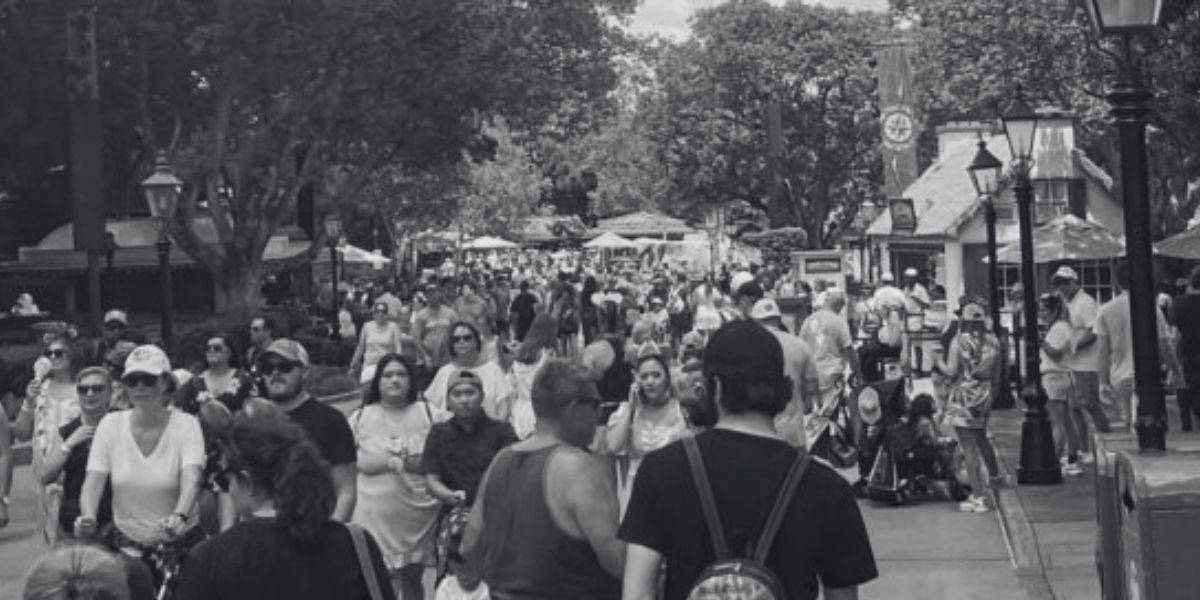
(610, 241)
(1066, 238)
(488, 242)
(354, 255)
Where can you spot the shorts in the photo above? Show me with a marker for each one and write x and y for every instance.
(1086, 391)
(1058, 385)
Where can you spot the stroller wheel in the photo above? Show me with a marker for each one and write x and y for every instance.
(900, 497)
(959, 491)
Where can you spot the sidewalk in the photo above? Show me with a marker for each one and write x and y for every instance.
(1051, 529)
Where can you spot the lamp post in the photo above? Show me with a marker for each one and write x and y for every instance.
(162, 189)
(333, 233)
(985, 172)
(1130, 105)
(1039, 462)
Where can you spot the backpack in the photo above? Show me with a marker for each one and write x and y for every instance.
(730, 577)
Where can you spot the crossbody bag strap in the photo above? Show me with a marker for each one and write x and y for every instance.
(767, 537)
(364, 561)
(708, 503)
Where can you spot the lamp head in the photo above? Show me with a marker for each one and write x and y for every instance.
(1124, 17)
(1020, 124)
(985, 171)
(162, 188)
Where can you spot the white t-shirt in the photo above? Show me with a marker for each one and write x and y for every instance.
(496, 385)
(1059, 338)
(1083, 309)
(828, 335)
(1113, 323)
(146, 488)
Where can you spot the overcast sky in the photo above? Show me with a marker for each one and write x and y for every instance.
(669, 17)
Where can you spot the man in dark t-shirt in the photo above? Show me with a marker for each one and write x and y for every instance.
(524, 308)
(282, 367)
(822, 543)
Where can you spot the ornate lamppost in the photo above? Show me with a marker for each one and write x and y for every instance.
(1130, 101)
(333, 233)
(985, 171)
(162, 189)
(1039, 462)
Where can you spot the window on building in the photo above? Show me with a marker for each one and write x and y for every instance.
(1052, 198)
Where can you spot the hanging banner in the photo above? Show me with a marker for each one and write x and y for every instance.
(897, 116)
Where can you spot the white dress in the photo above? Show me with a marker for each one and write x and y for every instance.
(396, 508)
(630, 436)
(521, 379)
(54, 407)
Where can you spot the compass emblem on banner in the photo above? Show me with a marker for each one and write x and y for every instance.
(899, 127)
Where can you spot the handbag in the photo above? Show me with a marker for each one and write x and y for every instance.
(359, 537)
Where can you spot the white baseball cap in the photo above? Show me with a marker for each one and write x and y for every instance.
(910, 272)
(116, 315)
(738, 280)
(1065, 272)
(765, 309)
(149, 359)
(887, 278)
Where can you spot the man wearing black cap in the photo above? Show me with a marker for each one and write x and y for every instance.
(822, 544)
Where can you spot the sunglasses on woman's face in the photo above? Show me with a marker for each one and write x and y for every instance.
(55, 353)
(91, 390)
(216, 347)
(140, 379)
(463, 338)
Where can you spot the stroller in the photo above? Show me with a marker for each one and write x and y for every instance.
(829, 432)
(896, 461)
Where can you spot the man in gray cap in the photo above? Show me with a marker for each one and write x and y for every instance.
(283, 366)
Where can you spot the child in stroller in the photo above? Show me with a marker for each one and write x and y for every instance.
(906, 454)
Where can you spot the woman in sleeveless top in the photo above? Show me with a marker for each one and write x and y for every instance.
(651, 419)
(50, 403)
(380, 336)
(394, 502)
(537, 348)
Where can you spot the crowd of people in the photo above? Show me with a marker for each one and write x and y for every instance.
(526, 437)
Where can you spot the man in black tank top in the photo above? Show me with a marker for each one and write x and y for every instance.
(544, 524)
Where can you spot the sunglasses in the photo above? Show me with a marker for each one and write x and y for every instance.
(463, 338)
(256, 329)
(216, 348)
(55, 353)
(273, 367)
(140, 379)
(91, 390)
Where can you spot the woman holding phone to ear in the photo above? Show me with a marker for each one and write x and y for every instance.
(651, 419)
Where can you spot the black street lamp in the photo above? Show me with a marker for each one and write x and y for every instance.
(162, 189)
(1130, 105)
(1039, 462)
(985, 171)
(333, 233)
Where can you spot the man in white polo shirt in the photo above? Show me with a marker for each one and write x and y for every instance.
(1084, 357)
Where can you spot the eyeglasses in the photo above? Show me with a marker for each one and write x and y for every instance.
(255, 329)
(140, 379)
(55, 353)
(463, 338)
(273, 367)
(91, 390)
(216, 347)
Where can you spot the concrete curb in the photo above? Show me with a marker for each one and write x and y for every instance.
(1021, 539)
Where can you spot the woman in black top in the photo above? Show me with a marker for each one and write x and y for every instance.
(286, 546)
(69, 459)
(221, 379)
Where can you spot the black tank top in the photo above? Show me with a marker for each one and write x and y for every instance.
(614, 385)
(526, 555)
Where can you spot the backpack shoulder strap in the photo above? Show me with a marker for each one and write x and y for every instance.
(708, 503)
(767, 537)
(364, 561)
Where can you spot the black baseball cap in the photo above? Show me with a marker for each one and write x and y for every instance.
(743, 349)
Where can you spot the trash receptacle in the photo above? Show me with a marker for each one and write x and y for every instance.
(1160, 523)
(1106, 446)
(1108, 506)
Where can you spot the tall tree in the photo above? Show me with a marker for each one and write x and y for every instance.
(709, 111)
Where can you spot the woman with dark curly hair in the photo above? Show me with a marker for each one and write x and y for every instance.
(394, 501)
(221, 379)
(285, 546)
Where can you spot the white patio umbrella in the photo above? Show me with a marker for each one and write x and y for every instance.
(609, 241)
(488, 242)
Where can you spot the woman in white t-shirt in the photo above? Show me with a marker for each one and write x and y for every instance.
(1056, 378)
(466, 352)
(153, 455)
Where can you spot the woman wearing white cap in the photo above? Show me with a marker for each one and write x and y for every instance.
(153, 456)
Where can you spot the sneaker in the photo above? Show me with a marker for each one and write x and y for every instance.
(974, 504)
(1072, 469)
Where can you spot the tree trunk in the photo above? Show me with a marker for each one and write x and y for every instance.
(238, 289)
